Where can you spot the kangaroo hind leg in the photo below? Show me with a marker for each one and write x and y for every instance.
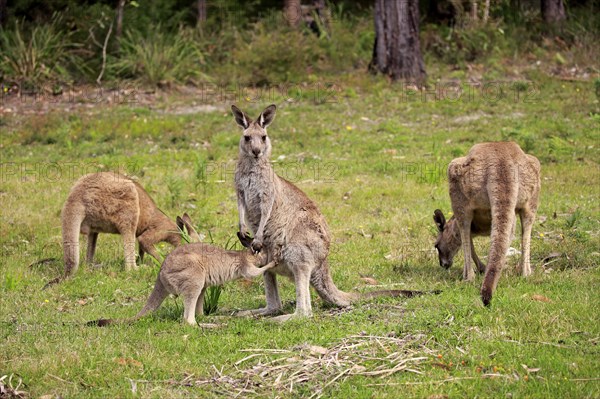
(527, 218)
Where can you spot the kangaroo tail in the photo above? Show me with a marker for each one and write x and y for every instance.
(52, 282)
(396, 293)
(156, 298)
(322, 282)
(72, 217)
(503, 222)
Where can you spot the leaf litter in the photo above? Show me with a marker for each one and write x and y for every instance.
(285, 371)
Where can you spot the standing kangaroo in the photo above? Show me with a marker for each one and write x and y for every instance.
(191, 268)
(488, 187)
(287, 223)
(108, 202)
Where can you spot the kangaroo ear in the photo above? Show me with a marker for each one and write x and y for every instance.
(187, 219)
(267, 116)
(246, 240)
(241, 117)
(439, 219)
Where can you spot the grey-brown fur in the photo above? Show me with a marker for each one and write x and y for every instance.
(488, 187)
(191, 268)
(108, 202)
(285, 222)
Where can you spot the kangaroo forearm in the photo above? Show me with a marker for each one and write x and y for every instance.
(241, 213)
(265, 214)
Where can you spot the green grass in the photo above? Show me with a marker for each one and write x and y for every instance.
(375, 164)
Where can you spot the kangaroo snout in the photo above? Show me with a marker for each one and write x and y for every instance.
(445, 264)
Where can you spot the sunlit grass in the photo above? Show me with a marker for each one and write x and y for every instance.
(375, 164)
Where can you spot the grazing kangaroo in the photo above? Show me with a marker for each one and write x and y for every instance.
(191, 268)
(108, 202)
(287, 223)
(488, 187)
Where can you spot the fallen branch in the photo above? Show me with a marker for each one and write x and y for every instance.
(99, 79)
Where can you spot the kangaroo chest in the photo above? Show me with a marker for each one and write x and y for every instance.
(255, 188)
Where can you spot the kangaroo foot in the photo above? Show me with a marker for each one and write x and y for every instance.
(282, 319)
(131, 266)
(285, 317)
(525, 270)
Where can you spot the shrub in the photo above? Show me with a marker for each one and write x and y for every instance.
(272, 56)
(271, 52)
(459, 46)
(160, 59)
(350, 45)
(36, 55)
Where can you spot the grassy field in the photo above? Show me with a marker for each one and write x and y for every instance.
(373, 156)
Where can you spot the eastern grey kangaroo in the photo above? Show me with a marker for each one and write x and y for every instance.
(107, 202)
(286, 223)
(191, 268)
(487, 188)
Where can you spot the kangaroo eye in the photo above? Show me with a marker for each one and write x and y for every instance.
(264, 138)
(247, 138)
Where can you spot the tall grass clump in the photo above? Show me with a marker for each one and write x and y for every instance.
(459, 46)
(34, 55)
(160, 59)
(270, 52)
(349, 46)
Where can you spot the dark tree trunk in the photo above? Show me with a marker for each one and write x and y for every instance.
(201, 4)
(119, 28)
(553, 11)
(3, 11)
(397, 49)
(292, 12)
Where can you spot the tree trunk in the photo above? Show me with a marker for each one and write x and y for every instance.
(3, 11)
(397, 49)
(474, 10)
(486, 11)
(201, 4)
(292, 12)
(119, 28)
(553, 11)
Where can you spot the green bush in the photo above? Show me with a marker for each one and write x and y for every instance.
(459, 46)
(35, 55)
(271, 56)
(271, 52)
(160, 59)
(350, 45)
